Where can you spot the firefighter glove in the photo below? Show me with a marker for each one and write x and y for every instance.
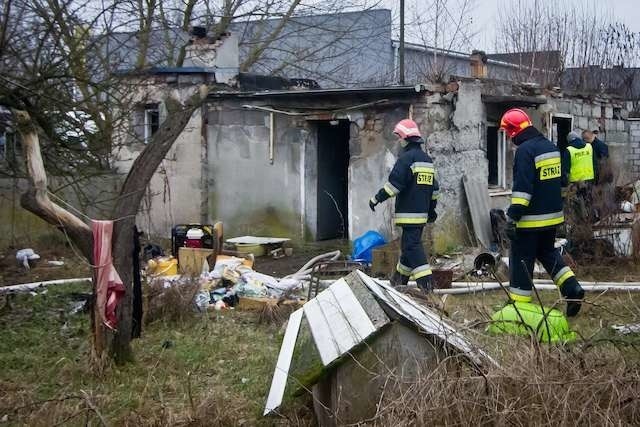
(372, 204)
(432, 217)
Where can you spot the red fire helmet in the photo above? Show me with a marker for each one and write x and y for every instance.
(406, 128)
(515, 121)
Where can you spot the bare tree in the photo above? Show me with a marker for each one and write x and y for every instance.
(550, 36)
(67, 76)
(440, 26)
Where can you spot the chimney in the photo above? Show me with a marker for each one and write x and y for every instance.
(198, 35)
(219, 56)
(478, 62)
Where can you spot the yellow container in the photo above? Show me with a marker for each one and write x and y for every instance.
(165, 266)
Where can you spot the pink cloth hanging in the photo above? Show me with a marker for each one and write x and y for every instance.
(109, 286)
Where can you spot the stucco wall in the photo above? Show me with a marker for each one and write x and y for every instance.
(253, 196)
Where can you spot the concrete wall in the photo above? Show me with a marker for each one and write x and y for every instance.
(174, 193)
(455, 140)
(611, 118)
(253, 196)
(336, 50)
(244, 190)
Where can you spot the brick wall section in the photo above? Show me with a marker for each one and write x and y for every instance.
(634, 152)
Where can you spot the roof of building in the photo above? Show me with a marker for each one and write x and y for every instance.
(619, 81)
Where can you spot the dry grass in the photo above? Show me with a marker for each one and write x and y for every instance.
(171, 304)
(594, 381)
(216, 370)
(534, 386)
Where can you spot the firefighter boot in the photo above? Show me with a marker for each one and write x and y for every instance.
(572, 290)
(398, 279)
(425, 284)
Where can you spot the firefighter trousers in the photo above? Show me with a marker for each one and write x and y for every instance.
(413, 259)
(525, 249)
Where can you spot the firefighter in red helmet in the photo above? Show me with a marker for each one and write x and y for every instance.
(414, 185)
(535, 212)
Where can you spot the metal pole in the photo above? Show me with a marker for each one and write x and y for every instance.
(401, 49)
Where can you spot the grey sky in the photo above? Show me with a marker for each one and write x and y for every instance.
(484, 14)
(486, 11)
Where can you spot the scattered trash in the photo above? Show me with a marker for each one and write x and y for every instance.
(626, 206)
(77, 307)
(244, 380)
(622, 231)
(633, 328)
(55, 263)
(26, 257)
(258, 246)
(162, 266)
(277, 253)
(364, 245)
(152, 251)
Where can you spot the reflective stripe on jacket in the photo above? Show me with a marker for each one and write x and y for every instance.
(414, 184)
(536, 202)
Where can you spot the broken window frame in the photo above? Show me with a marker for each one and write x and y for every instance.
(550, 129)
(150, 126)
(502, 148)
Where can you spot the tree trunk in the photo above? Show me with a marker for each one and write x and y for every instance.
(36, 200)
(126, 208)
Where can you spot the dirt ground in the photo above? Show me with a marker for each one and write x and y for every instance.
(301, 255)
(12, 273)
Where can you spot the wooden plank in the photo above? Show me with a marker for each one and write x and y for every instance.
(479, 205)
(281, 372)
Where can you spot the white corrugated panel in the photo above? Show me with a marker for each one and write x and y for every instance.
(281, 373)
(337, 321)
(425, 319)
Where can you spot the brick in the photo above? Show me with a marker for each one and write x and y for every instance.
(581, 122)
(576, 108)
(563, 107)
(608, 112)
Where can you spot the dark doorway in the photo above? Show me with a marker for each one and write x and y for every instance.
(492, 154)
(561, 126)
(333, 169)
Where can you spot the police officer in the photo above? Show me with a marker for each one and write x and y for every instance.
(578, 161)
(535, 212)
(414, 185)
(579, 170)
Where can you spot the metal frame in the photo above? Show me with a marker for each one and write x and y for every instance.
(330, 270)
